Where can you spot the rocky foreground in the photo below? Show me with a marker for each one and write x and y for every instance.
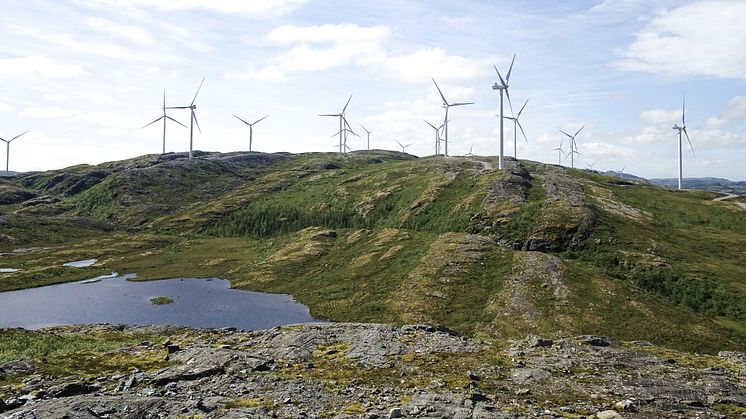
(371, 370)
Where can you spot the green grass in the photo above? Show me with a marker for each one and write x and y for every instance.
(159, 301)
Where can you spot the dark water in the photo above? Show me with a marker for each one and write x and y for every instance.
(197, 303)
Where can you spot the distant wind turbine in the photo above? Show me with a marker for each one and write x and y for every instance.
(251, 127)
(573, 145)
(447, 106)
(367, 132)
(621, 172)
(516, 125)
(437, 136)
(403, 147)
(7, 152)
(503, 87)
(344, 127)
(164, 118)
(470, 149)
(681, 129)
(193, 117)
(589, 166)
(560, 152)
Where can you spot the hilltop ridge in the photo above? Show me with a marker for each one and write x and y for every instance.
(378, 236)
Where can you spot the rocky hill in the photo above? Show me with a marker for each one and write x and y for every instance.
(386, 237)
(355, 370)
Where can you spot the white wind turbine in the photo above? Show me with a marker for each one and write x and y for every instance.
(437, 136)
(621, 172)
(516, 125)
(344, 127)
(447, 106)
(251, 127)
(470, 154)
(560, 152)
(7, 152)
(503, 87)
(193, 117)
(681, 129)
(573, 145)
(367, 132)
(164, 117)
(403, 147)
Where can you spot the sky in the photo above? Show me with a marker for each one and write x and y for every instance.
(85, 76)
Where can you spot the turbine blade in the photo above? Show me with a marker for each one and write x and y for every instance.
(507, 77)
(461, 103)
(335, 134)
(431, 124)
(18, 136)
(348, 102)
(397, 141)
(200, 86)
(151, 123)
(331, 114)
(259, 120)
(239, 118)
(683, 108)
(522, 108)
(578, 132)
(164, 100)
(176, 121)
(179, 107)
(441, 93)
(565, 134)
(510, 104)
(522, 132)
(502, 82)
(407, 145)
(194, 115)
(690, 141)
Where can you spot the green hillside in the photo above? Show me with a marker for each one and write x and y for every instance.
(386, 237)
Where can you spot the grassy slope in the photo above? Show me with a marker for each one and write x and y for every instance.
(380, 237)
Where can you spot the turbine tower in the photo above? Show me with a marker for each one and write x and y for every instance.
(573, 145)
(193, 117)
(403, 147)
(447, 106)
(516, 125)
(251, 127)
(367, 132)
(503, 87)
(681, 129)
(344, 127)
(164, 118)
(7, 152)
(437, 136)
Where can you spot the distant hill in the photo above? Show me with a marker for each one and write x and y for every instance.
(706, 184)
(625, 176)
(381, 236)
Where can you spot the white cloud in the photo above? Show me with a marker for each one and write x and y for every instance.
(36, 65)
(705, 38)
(129, 32)
(315, 48)
(4, 107)
(660, 116)
(224, 6)
(736, 108)
(49, 112)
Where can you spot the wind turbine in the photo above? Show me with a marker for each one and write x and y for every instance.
(251, 127)
(573, 145)
(437, 136)
(621, 172)
(367, 132)
(503, 87)
(560, 152)
(516, 125)
(403, 147)
(447, 106)
(681, 129)
(164, 118)
(7, 152)
(344, 127)
(589, 166)
(470, 149)
(193, 117)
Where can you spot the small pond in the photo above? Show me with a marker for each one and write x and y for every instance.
(8, 270)
(80, 263)
(201, 303)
